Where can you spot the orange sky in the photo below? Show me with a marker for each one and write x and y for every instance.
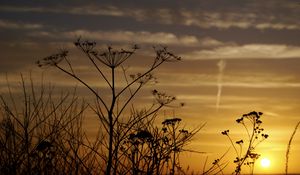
(238, 56)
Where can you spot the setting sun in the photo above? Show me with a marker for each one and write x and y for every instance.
(265, 162)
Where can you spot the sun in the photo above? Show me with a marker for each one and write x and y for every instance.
(265, 162)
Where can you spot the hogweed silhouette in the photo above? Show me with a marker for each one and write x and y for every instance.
(245, 149)
(111, 108)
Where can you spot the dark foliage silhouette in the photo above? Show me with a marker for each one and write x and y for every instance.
(156, 150)
(37, 131)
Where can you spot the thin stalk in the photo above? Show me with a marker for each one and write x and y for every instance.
(174, 149)
(249, 147)
(289, 147)
(111, 126)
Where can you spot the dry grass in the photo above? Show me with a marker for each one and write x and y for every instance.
(289, 148)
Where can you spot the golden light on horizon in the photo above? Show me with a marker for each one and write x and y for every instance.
(265, 163)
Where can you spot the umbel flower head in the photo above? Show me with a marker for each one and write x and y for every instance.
(143, 79)
(164, 55)
(110, 57)
(113, 58)
(162, 98)
(140, 137)
(53, 60)
(172, 121)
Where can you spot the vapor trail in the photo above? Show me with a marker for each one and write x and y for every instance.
(221, 65)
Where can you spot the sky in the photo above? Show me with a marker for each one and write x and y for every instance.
(237, 57)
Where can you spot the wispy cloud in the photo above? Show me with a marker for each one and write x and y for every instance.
(250, 51)
(93, 9)
(18, 25)
(263, 85)
(22, 9)
(211, 98)
(139, 37)
(226, 20)
(277, 26)
(83, 10)
(214, 19)
(221, 66)
(236, 80)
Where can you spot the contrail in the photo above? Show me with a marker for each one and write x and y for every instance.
(221, 65)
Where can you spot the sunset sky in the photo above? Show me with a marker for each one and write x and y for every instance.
(237, 57)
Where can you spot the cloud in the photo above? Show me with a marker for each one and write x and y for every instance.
(163, 15)
(214, 19)
(210, 42)
(18, 25)
(248, 51)
(221, 66)
(140, 37)
(104, 10)
(22, 9)
(226, 20)
(95, 10)
(261, 15)
(282, 16)
(145, 37)
(194, 98)
(277, 26)
(234, 80)
(263, 85)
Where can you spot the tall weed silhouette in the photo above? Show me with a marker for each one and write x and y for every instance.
(245, 148)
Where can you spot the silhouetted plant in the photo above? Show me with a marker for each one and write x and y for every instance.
(35, 130)
(289, 148)
(245, 149)
(156, 150)
(115, 124)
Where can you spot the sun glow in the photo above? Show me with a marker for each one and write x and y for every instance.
(265, 162)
